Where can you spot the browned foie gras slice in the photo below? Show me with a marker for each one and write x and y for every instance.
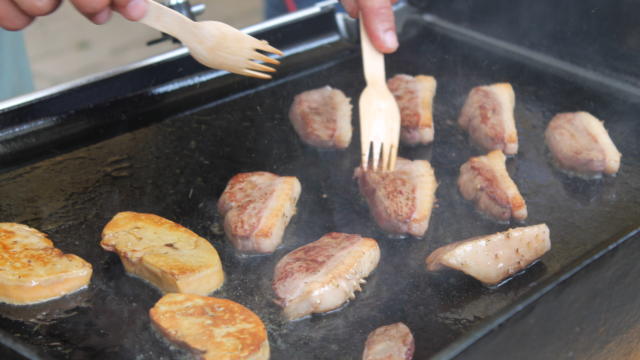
(493, 258)
(401, 200)
(323, 275)
(485, 181)
(211, 328)
(488, 117)
(32, 270)
(415, 100)
(166, 254)
(322, 117)
(257, 207)
(391, 342)
(580, 144)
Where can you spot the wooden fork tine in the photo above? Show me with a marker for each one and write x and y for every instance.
(260, 67)
(262, 57)
(255, 74)
(264, 46)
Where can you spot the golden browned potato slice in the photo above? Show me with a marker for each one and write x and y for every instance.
(168, 255)
(493, 258)
(211, 328)
(32, 270)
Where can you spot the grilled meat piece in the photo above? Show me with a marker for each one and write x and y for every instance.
(32, 270)
(391, 342)
(488, 117)
(166, 254)
(415, 100)
(257, 207)
(580, 144)
(323, 275)
(493, 258)
(485, 181)
(401, 200)
(322, 117)
(211, 328)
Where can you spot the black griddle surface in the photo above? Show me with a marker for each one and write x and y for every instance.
(178, 167)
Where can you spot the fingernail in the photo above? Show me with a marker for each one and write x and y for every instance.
(136, 9)
(390, 40)
(102, 17)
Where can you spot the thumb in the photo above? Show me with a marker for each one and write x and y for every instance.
(379, 23)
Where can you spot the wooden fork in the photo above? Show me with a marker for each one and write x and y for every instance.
(214, 44)
(379, 113)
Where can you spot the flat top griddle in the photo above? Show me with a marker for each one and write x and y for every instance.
(177, 167)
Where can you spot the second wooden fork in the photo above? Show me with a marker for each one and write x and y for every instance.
(214, 44)
(379, 113)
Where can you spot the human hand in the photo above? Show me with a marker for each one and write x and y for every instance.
(379, 21)
(17, 14)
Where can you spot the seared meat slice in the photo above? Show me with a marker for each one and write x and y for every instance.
(322, 117)
(168, 255)
(257, 207)
(210, 328)
(493, 258)
(401, 200)
(488, 117)
(485, 180)
(415, 100)
(391, 342)
(32, 270)
(324, 274)
(580, 143)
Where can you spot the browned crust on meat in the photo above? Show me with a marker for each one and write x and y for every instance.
(211, 328)
(480, 116)
(311, 258)
(319, 117)
(490, 188)
(427, 85)
(391, 342)
(486, 112)
(242, 193)
(401, 201)
(32, 270)
(168, 255)
(491, 182)
(415, 100)
(332, 266)
(398, 191)
(257, 207)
